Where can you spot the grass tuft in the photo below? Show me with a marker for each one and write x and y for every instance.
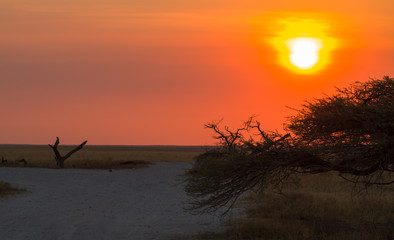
(6, 190)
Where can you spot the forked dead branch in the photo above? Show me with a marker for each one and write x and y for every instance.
(58, 157)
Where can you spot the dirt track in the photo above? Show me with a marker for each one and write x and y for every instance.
(138, 204)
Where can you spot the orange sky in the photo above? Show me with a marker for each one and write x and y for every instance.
(154, 71)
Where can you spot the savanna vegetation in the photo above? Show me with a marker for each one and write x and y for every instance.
(332, 148)
(96, 157)
(91, 157)
(321, 206)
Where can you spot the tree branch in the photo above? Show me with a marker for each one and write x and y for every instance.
(58, 157)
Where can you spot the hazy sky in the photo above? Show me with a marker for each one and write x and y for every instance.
(154, 71)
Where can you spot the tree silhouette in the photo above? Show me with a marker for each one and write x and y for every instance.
(58, 157)
(351, 133)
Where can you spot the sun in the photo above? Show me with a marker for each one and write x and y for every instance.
(303, 45)
(304, 52)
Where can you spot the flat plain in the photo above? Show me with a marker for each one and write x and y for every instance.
(97, 157)
(136, 192)
(130, 204)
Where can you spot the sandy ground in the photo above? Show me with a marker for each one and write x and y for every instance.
(135, 204)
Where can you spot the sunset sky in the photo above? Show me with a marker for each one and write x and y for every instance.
(152, 72)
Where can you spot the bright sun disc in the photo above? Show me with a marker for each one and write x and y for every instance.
(304, 52)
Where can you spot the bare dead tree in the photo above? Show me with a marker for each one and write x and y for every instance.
(59, 158)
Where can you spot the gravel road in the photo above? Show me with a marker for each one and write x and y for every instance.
(136, 204)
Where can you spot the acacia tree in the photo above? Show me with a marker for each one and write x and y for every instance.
(351, 133)
(353, 130)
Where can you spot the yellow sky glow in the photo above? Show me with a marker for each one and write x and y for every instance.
(303, 45)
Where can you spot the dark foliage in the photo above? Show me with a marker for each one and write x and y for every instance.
(351, 133)
(353, 130)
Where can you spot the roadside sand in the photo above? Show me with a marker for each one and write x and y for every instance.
(134, 204)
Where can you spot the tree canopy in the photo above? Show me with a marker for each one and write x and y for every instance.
(350, 132)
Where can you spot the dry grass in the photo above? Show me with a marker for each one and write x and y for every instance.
(97, 157)
(6, 190)
(320, 207)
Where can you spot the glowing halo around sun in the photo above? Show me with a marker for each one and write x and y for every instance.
(303, 45)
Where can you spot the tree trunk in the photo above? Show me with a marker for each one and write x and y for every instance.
(59, 158)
